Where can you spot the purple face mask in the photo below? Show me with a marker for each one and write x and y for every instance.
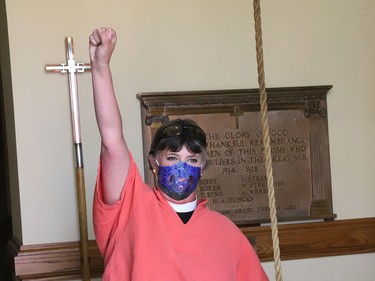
(179, 180)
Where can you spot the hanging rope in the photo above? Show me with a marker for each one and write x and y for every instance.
(266, 139)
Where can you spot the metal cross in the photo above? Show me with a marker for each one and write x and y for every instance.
(71, 68)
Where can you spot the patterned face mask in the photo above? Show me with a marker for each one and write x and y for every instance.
(179, 180)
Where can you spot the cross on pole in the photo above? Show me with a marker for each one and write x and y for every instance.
(72, 68)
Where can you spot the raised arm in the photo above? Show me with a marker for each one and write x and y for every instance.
(114, 151)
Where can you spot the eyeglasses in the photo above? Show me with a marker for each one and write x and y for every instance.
(176, 130)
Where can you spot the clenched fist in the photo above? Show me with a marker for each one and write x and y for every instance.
(102, 42)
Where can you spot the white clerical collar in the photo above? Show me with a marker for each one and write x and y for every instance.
(184, 208)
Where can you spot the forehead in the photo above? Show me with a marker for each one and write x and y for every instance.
(183, 152)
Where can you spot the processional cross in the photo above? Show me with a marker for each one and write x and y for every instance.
(71, 68)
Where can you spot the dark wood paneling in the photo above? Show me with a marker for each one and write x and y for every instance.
(56, 261)
(61, 261)
(317, 239)
(5, 218)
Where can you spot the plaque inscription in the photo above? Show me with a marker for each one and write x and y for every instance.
(234, 181)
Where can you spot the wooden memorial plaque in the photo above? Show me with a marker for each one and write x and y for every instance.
(235, 181)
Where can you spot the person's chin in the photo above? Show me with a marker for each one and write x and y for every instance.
(188, 199)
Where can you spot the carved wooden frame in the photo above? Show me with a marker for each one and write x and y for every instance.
(156, 107)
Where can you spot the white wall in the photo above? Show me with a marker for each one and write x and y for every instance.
(189, 45)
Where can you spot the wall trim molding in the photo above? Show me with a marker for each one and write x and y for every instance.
(316, 239)
(52, 261)
(61, 261)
